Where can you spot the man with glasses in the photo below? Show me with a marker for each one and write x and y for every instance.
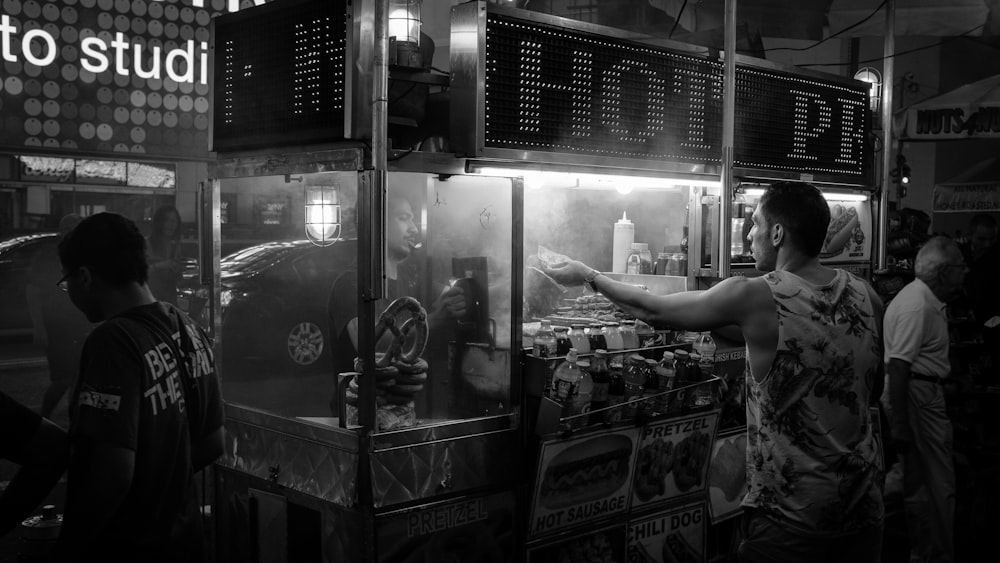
(916, 356)
(146, 412)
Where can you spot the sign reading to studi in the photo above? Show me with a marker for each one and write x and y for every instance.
(556, 90)
(279, 75)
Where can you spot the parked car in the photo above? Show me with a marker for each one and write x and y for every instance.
(16, 254)
(273, 302)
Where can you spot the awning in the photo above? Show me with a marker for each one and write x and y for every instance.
(976, 189)
(967, 112)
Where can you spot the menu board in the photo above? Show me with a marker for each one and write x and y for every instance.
(676, 535)
(582, 480)
(673, 458)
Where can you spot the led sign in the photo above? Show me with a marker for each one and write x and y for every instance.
(557, 91)
(280, 75)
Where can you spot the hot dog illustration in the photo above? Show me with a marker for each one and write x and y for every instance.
(843, 221)
(590, 470)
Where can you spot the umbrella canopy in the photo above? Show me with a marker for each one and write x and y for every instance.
(969, 111)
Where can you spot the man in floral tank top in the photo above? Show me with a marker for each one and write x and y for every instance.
(813, 337)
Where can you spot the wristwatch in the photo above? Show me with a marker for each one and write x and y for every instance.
(591, 278)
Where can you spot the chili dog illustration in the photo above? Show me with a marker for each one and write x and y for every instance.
(843, 221)
(587, 471)
(676, 549)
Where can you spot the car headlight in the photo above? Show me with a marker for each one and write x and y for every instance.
(225, 297)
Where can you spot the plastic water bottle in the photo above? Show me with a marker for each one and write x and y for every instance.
(546, 345)
(566, 378)
(705, 346)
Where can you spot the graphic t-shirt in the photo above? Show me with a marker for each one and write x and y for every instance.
(812, 460)
(131, 393)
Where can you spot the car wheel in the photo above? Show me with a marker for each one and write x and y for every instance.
(304, 344)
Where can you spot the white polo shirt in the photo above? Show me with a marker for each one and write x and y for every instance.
(916, 330)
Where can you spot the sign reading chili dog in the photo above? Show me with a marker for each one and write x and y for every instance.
(582, 480)
(673, 458)
(675, 536)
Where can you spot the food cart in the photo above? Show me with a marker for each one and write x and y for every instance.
(556, 128)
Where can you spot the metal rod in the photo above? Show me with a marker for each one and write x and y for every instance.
(888, 53)
(728, 139)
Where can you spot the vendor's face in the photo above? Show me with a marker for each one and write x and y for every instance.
(982, 239)
(401, 231)
(765, 255)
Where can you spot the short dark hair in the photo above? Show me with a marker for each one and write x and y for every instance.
(110, 245)
(801, 209)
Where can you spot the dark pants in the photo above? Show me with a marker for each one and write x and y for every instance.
(766, 541)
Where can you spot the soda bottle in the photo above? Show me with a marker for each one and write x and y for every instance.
(650, 388)
(580, 400)
(545, 341)
(601, 378)
(680, 380)
(616, 391)
(694, 375)
(633, 383)
(665, 379)
(566, 378)
(705, 346)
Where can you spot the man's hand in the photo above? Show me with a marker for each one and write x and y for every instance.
(573, 272)
(452, 302)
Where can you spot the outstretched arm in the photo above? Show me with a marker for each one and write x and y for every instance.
(731, 302)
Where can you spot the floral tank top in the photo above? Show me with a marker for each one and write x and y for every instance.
(812, 459)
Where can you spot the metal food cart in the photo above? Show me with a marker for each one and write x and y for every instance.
(556, 126)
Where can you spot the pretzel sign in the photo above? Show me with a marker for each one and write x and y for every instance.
(417, 321)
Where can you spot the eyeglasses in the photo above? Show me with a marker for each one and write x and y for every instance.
(63, 282)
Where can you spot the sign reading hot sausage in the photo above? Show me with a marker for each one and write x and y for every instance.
(583, 479)
(675, 536)
(673, 458)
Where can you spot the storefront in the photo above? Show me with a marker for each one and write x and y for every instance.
(451, 447)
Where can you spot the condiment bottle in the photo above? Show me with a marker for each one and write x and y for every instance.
(645, 258)
(624, 236)
(633, 264)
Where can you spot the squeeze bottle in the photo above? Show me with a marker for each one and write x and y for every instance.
(624, 236)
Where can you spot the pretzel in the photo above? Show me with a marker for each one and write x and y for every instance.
(417, 321)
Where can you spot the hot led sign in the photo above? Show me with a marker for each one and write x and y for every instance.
(564, 95)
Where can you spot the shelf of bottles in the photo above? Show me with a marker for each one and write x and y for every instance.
(569, 390)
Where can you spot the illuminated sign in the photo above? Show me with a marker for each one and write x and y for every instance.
(280, 75)
(111, 76)
(553, 93)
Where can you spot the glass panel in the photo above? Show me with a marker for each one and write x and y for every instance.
(277, 350)
(448, 246)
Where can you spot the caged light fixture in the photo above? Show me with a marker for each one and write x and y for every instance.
(322, 223)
